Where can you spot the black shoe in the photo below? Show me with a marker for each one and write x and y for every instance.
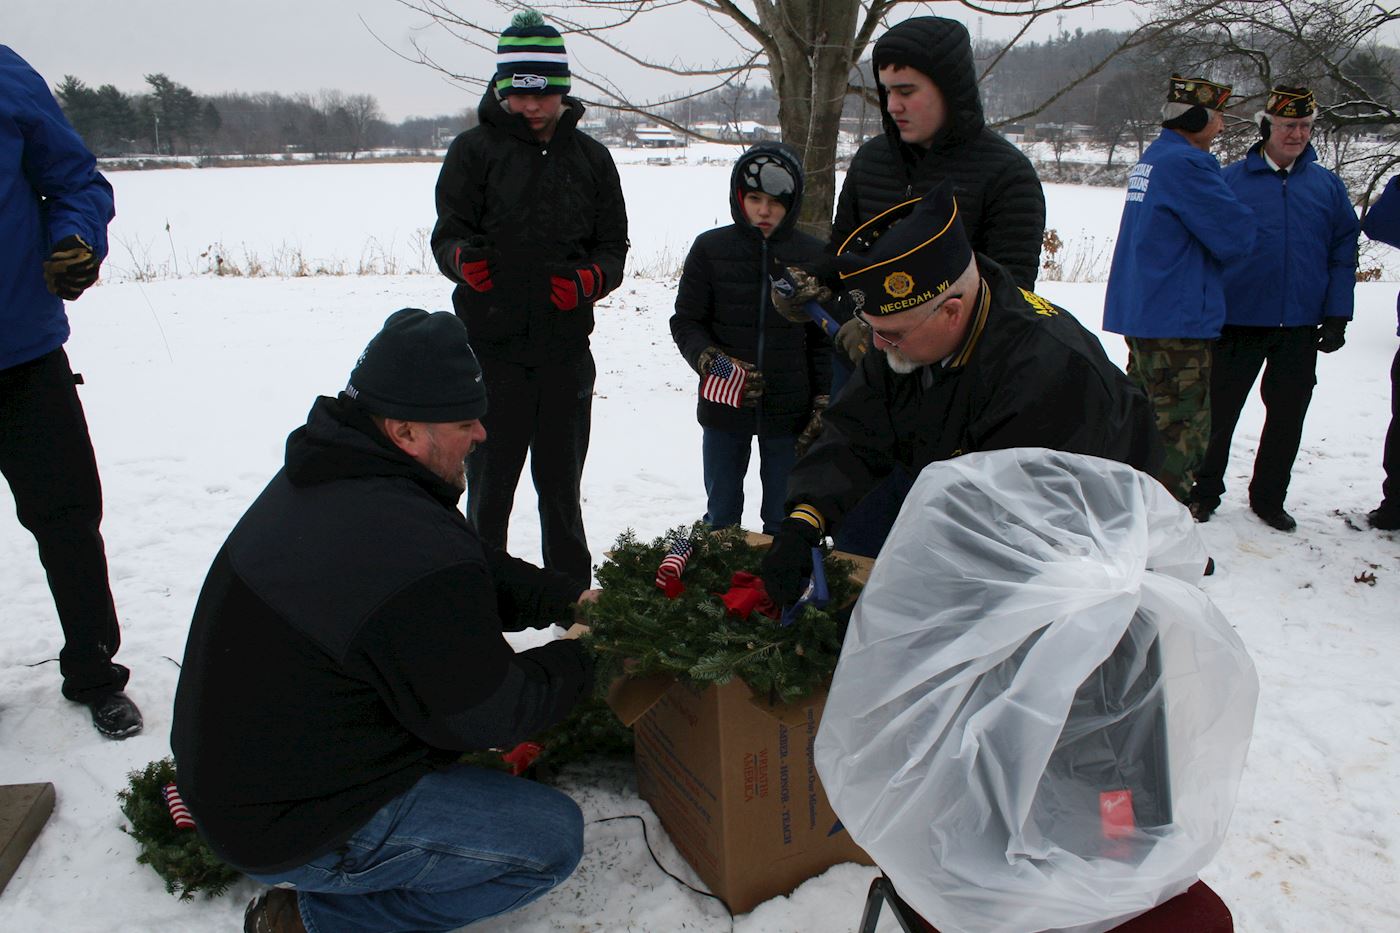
(115, 716)
(1276, 518)
(1384, 519)
(1201, 511)
(274, 911)
(1210, 567)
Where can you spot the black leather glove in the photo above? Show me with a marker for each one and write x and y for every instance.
(1331, 334)
(71, 268)
(788, 562)
(814, 424)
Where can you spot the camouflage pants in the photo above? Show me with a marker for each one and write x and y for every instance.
(1175, 374)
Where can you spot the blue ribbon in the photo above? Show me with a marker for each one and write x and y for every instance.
(816, 592)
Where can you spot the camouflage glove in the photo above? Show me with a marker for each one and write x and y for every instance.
(793, 287)
(814, 424)
(753, 383)
(71, 268)
(854, 339)
(1331, 334)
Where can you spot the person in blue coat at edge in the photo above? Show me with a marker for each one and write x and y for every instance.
(1382, 224)
(1290, 300)
(54, 211)
(1181, 224)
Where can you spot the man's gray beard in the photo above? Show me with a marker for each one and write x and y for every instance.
(899, 362)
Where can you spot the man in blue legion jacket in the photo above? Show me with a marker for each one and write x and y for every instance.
(1290, 300)
(54, 210)
(1180, 225)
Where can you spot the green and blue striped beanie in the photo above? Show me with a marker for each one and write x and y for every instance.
(530, 58)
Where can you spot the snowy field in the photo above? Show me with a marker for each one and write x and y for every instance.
(194, 381)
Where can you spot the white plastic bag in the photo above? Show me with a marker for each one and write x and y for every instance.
(1038, 721)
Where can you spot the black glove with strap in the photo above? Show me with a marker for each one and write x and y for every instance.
(1331, 334)
(71, 268)
(788, 562)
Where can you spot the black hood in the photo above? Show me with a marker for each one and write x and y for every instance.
(339, 441)
(942, 49)
(491, 112)
(788, 156)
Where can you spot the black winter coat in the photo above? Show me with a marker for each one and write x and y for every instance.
(998, 191)
(723, 301)
(1028, 375)
(544, 208)
(346, 642)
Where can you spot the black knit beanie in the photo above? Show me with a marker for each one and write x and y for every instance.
(530, 58)
(419, 367)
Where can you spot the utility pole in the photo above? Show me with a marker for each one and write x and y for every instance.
(156, 117)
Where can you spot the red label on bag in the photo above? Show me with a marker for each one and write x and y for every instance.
(1116, 814)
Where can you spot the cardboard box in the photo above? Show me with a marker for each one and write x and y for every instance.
(734, 783)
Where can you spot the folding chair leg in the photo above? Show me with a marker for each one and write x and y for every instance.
(882, 890)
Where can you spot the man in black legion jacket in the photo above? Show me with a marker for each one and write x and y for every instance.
(968, 361)
(532, 228)
(347, 649)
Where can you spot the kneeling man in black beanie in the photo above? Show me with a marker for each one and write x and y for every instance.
(346, 650)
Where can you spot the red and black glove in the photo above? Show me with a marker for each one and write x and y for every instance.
(474, 262)
(71, 268)
(570, 286)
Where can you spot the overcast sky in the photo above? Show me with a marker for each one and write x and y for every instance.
(291, 46)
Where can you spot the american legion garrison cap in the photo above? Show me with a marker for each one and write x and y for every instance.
(1198, 92)
(910, 254)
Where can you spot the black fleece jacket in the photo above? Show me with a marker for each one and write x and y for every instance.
(998, 191)
(346, 642)
(723, 301)
(543, 208)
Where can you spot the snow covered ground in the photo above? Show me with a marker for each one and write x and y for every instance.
(194, 381)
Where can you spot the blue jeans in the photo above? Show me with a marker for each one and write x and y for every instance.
(459, 846)
(726, 460)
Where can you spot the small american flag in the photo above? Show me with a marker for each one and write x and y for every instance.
(178, 811)
(724, 383)
(674, 563)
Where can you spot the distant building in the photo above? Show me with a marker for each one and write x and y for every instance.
(656, 137)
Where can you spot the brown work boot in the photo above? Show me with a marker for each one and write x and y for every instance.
(274, 911)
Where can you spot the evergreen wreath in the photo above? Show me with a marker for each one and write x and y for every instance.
(694, 636)
(180, 856)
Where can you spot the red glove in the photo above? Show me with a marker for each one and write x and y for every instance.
(473, 267)
(574, 285)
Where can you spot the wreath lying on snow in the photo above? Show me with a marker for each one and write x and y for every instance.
(709, 620)
(177, 853)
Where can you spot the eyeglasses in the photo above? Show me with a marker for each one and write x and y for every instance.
(893, 342)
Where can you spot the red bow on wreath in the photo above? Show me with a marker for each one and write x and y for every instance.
(747, 594)
(521, 757)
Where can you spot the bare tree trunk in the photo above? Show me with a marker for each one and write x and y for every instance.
(810, 74)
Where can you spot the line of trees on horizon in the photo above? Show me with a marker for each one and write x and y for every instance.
(170, 118)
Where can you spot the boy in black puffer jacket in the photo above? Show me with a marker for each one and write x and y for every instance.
(725, 322)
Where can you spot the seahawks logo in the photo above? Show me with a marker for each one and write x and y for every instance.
(527, 82)
(899, 284)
